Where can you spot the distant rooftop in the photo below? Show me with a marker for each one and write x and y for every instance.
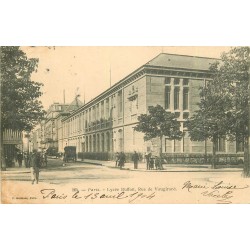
(182, 61)
(74, 105)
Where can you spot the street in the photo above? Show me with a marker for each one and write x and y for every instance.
(58, 181)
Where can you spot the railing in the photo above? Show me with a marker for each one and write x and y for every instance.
(220, 159)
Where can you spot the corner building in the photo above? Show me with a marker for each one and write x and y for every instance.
(106, 124)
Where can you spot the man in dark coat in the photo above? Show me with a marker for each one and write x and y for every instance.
(34, 166)
(135, 159)
(148, 157)
(122, 160)
(117, 157)
(26, 160)
(19, 159)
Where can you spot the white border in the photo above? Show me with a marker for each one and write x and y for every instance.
(124, 23)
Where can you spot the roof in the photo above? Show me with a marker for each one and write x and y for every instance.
(74, 105)
(181, 61)
(163, 60)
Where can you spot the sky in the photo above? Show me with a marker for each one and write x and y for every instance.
(88, 71)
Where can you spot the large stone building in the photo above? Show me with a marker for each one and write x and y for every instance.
(105, 124)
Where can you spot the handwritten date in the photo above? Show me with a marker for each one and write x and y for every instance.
(131, 197)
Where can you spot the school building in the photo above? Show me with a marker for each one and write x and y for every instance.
(106, 124)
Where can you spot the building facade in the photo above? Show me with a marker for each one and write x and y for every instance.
(106, 123)
(12, 142)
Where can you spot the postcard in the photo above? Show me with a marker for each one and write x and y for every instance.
(125, 125)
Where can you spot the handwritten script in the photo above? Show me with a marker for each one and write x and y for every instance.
(222, 192)
(77, 194)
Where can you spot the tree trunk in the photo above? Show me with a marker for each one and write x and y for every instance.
(246, 169)
(3, 163)
(205, 156)
(214, 141)
(161, 152)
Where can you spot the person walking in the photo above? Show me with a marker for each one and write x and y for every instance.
(34, 167)
(117, 157)
(135, 159)
(26, 159)
(158, 163)
(148, 157)
(122, 159)
(20, 158)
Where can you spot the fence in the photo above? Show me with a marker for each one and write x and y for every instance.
(220, 159)
(105, 156)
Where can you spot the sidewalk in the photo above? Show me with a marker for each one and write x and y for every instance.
(166, 167)
(15, 170)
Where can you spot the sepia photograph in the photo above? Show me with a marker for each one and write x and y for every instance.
(125, 125)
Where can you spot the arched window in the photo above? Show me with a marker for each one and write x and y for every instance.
(108, 141)
(102, 142)
(94, 143)
(120, 140)
(98, 143)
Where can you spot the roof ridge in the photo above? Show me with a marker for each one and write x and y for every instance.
(189, 56)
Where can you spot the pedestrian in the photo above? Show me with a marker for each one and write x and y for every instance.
(151, 163)
(26, 159)
(158, 163)
(117, 157)
(135, 159)
(122, 159)
(19, 158)
(147, 157)
(34, 166)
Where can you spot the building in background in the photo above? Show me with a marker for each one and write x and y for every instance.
(12, 142)
(47, 135)
(106, 123)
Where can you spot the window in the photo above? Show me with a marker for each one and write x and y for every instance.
(167, 80)
(221, 145)
(120, 104)
(102, 109)
(177, 114)
(108, 141)
(97, 111)
(185, 81)
(90, 115)
(102, 143)
(167, 97)
(134, 106)
(176, 81)
(185, 98)
(94, 113)
(185, 115)
(239, 145)
(107, 108)
(176, 98)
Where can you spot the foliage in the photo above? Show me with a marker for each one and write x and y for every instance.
(210, 120)
(234, 76)
(20, 106)
(223, 108)
(159, 123)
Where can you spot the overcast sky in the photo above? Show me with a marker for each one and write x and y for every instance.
(88, 68)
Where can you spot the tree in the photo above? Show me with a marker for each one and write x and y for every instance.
(223, 109)
(210, 120)
(20, 105)
(159, 123)
(234, 73)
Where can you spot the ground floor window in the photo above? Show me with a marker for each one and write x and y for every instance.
(221, 145)
(239, 145)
